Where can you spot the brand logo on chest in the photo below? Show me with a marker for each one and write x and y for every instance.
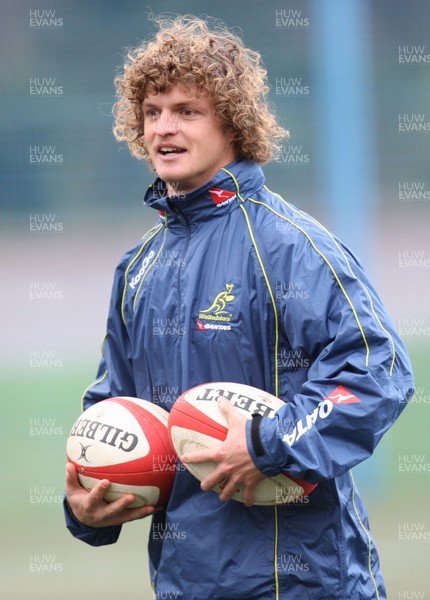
(145, 262)
(217, 315)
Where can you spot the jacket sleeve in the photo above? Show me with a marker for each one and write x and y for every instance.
(114, 378)
(93, 536)
(359, 377)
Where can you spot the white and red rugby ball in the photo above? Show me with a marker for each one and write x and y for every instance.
(196, 423)
(126, 441)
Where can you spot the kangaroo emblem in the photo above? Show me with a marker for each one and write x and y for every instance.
(218, 305)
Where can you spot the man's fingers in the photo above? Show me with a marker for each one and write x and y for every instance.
(98, 492)
(140, 513)
(95, 496)
(71, 475)
(217, 476)
(226, 408)
(232, 487)
(228, 489)
(248, 496)
(210, 455)
(119, 512)
(90, 507)
(234, 469)
(72, 481)
(118, 506)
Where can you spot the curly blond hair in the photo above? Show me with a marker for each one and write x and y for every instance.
(187, 53)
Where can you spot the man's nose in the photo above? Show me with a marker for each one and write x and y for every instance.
(167, 123)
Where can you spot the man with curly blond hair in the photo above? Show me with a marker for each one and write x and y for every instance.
(192, 102)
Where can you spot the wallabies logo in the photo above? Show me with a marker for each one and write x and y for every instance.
(219, 304)
(217, 311)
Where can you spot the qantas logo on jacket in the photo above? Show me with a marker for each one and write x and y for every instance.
(338, 396)
(221, 197)
(342, 396)
(205, 326)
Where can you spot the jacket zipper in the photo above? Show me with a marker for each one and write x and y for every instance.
(186, 225)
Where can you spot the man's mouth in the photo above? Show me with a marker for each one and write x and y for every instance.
(170, 150)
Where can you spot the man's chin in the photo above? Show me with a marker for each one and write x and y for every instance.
(176, 184)
(175, 187)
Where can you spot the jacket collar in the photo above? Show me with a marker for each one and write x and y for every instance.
(232, 185)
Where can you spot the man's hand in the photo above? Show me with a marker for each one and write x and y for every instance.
(235, 465)
(91, 509)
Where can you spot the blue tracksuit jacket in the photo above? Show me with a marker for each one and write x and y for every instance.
(235, 284)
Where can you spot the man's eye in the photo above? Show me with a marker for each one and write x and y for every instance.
(151, 114)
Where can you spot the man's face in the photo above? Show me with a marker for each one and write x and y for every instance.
(187, 146)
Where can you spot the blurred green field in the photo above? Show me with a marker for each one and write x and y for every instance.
(41, 560)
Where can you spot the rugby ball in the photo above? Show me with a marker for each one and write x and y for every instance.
(126, 441)
(196, 423)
